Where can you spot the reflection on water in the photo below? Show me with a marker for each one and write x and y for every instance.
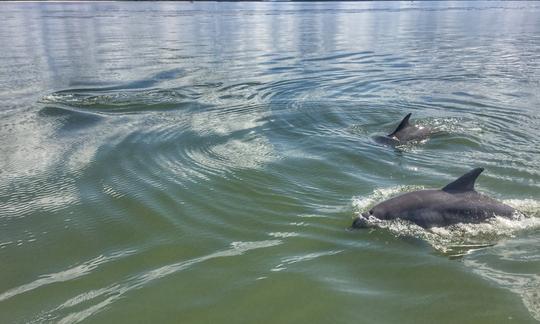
(193, 157)
(503, 266)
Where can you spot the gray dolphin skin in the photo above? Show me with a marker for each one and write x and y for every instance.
(457, 202)
(405, 132)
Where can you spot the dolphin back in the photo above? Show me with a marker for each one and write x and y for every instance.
(457, 202)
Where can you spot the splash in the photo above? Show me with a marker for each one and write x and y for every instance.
(459, 239)
(361, 203)
(453, 125)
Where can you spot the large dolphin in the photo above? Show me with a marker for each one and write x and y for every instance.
(405, 132)
(457, 202)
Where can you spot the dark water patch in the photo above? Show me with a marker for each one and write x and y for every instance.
(149, 81)
(282, 69)
(241, 86)
(470, 95)
(337, 57)
(71, 120)
(401, 65)
(124, 101)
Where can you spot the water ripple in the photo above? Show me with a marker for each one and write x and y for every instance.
(66, 275)
(180, 135)
(104, 297)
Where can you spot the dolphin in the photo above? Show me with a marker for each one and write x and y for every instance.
(457, 202)
(405, 132)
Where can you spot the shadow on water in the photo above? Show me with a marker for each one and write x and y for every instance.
(124, 102)
(71, 120)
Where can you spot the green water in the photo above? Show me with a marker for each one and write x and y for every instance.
(202, 162)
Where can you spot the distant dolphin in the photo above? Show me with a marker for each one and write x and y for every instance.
(458, 202)
(405, 132)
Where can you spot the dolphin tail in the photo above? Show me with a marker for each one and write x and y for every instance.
(404, 123)
(465, 182)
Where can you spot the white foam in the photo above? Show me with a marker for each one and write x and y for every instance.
(362, 203)
(456, 239)
(302, 258)
(283, 234)
(65, 275)
(528, 207)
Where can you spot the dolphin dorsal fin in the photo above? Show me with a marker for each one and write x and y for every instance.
(465, 182)
(404, 123)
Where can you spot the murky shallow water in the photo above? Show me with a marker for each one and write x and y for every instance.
(177, 162)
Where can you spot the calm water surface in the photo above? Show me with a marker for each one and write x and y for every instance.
(201, 163)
